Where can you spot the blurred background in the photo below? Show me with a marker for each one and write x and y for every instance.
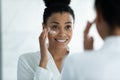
(21, 24)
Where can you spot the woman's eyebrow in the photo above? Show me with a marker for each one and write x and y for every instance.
(59, 23)
(68, 22)
(55, 22)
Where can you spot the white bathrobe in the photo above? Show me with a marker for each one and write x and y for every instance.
(28, 68)
(103, 64)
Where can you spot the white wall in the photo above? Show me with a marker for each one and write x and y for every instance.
(21, 26)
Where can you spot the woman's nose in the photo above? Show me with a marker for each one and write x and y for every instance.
(62, 33)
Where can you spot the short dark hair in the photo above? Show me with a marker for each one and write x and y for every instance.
(110, 10)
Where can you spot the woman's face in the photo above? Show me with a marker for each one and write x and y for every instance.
(61, 25)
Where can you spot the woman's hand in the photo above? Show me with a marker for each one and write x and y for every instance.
(43, 48)
(88, 41)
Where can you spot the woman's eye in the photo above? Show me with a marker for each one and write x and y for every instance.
(68, 28)
(55, 27)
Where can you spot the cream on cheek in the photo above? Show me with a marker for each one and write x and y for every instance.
(52, 32)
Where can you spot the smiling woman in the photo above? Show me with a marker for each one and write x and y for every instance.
(46, 64)
(61, 24)
(21, 26)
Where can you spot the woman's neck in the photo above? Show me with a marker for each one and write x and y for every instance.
(58, 53)
(116, 31)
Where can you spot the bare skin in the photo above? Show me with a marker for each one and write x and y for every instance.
(88, 41)
(43, 48)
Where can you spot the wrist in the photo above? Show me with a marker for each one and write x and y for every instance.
(43, 63)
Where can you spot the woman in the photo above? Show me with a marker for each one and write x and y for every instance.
(103, 64)
(58, 20)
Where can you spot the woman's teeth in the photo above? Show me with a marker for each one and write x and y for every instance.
(61, 40)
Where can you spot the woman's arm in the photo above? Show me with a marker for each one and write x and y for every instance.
(43, 48)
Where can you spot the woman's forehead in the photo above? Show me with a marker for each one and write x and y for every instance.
(60, 17)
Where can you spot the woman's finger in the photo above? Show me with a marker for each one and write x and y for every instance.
(88, 41)
(86, 31)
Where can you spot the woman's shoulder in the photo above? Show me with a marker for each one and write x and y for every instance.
(31, 56)
(30, 60)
